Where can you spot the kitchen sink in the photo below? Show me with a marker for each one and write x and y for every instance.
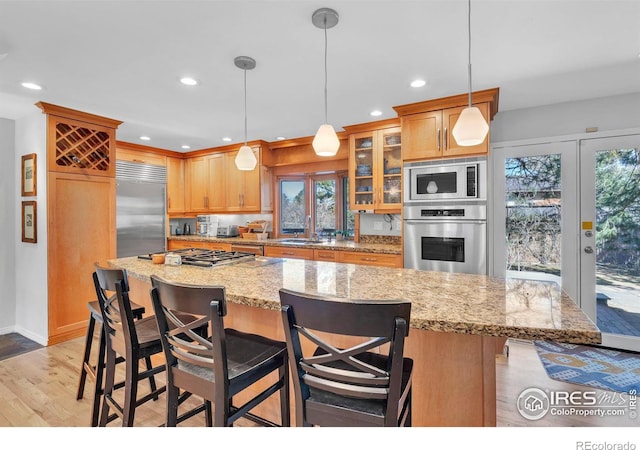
(299, 241)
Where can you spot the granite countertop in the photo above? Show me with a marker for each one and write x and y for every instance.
(331, 245)
(458, 303)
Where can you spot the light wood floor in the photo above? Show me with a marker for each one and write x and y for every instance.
(38, 389)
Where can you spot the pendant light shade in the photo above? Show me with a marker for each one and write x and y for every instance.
(245, 159)
(326, 142)
(471, 127)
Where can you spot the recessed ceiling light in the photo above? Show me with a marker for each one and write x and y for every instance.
(188, 81)
(35, 87)
(145, 138)
(280, 138)
(186, 147)
(418, 83)
(375, 113)
(226, 139)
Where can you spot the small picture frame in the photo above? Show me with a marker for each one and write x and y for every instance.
(29, 172)
(30, 222)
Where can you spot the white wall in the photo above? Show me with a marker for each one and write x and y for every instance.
(31, 275)
(607, 113)
(8, 196)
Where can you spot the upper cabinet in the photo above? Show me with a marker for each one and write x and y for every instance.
(214, 184)
(175, 185)
(375, 167)
(427, 126)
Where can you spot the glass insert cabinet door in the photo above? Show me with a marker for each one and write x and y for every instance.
(375, 170)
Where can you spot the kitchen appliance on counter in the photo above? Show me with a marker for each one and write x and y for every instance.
(207, 225)
(446, 238)
(203, 257)
(446, 180)
(140, 208)
(228, 231)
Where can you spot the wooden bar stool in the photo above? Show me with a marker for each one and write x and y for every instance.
(218, 367)
(95, 372)
(361, 385)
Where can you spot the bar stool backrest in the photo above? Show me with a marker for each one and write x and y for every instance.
(371, 369)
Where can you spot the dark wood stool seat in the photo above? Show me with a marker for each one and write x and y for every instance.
(218, 367)
(95, 372)
(347, 360)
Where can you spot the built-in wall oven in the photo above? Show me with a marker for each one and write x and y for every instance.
(446, 238)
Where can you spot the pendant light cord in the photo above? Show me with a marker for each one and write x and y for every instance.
(469, 35)
(245, 106)
(325, 71)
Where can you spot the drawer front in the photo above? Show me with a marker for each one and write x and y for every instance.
(325, 255)
(216, 246)
(372, 259)
(288, 252)
(176, 245)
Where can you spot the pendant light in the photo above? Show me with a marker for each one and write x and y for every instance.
(245, 159)
(471, 127)
(326, 142)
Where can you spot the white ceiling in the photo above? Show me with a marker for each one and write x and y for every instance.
(123, 60)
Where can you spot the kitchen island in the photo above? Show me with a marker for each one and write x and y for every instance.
(458, 322)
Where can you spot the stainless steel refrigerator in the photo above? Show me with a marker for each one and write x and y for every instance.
(140, 208)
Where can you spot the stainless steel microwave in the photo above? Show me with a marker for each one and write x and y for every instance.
(442, 180)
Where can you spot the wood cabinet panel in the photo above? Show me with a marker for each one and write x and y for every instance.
(141, 157)
(325, 255)
(177, 245)
(421, 135)
(81, 231)
(175, 185)
(371, 259)
(288, 252)
(216, 184)
(451, 149)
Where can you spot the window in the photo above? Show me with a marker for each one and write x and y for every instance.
(316, 203)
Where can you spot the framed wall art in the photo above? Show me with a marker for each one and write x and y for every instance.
(29, 222)
(29, 175)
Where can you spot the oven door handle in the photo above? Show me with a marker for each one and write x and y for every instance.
(443, 220)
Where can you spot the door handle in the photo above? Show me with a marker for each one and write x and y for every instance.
(446, 140)
(438, 139)
(588, 249)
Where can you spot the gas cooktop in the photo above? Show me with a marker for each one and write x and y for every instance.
(203, 257)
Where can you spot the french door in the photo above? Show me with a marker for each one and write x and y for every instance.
(569, 213)
(610, 237)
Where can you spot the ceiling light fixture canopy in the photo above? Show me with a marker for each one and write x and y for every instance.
(325, 142)
(245, 159)
(471, 127)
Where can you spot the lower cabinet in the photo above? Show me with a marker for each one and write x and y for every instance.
(177, 245)
(371, 259)
(288, 252)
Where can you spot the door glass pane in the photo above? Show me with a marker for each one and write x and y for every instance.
(533, 217)
(364, 171)
(292, 206)
(618, 241)
(325, 201)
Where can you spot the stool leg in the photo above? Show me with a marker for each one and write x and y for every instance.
(208, 416)
(152, 379)
(110, 369)
(285, 406)
(98, 392)
(87, 354)
(130, 390)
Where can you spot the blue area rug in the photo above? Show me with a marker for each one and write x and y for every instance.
(590, 366)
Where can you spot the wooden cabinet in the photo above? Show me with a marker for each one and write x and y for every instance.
(427, 126)
(325, 255)
(177, 245)
(205, 183)
(371, 259)
(429, 135)
(288, 252)
(125, 154)
(175, 185)
(214, 184)
(375, 170)
(243, 186)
